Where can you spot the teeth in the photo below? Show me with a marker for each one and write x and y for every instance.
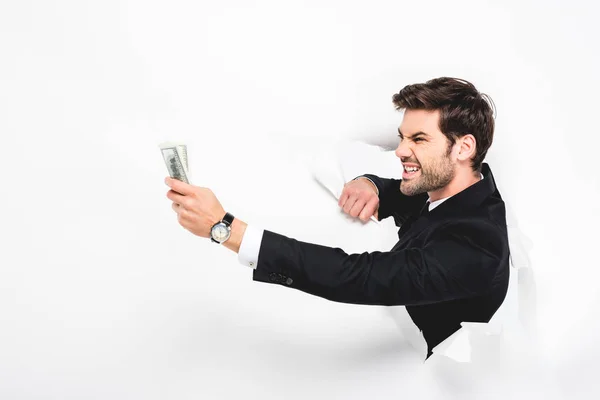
(410, 169)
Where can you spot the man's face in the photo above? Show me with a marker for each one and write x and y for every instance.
(424, 146)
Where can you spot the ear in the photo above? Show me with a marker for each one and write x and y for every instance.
(467, 147)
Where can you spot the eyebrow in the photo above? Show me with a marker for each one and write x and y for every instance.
(415, 135)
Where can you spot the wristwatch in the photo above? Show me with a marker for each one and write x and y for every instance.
(221, 231)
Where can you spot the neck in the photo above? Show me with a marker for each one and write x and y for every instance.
(460, 182)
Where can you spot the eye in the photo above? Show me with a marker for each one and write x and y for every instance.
(418, 139)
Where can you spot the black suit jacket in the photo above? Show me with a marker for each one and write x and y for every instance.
(449, 266)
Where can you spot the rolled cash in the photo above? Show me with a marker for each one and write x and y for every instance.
(175, 156)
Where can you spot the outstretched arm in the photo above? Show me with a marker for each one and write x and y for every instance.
(458, 260)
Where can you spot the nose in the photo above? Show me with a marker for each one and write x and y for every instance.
(403, 150)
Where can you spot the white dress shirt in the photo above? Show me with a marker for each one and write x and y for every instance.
(252, 239)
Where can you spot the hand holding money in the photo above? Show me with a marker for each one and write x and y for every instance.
(197, 208)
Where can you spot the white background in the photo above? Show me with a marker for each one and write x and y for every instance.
(103, 295)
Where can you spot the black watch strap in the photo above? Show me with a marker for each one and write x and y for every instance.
(228, 219)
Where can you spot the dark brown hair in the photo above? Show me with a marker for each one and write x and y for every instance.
(463, 110)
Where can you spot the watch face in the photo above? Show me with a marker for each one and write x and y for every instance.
(220, 232)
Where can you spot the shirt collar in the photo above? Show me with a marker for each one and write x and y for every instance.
(436, 203)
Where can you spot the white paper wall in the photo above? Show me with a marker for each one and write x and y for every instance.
(104, 296)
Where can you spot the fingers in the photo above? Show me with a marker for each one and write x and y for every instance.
(348, 197)
(363, 210)
(370, 209)
(177, 208)
(179, 186)
(355, 205)
(176, 197)
(343, 198)
(350, 203)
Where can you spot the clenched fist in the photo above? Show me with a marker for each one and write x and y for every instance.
(359, 199)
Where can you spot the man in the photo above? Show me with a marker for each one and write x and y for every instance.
(451, 261)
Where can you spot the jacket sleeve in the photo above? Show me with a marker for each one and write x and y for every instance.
(458, 260)
(392, 202)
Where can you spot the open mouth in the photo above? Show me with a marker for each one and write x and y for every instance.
(410, 172)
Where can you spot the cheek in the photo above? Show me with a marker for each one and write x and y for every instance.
(421, 159)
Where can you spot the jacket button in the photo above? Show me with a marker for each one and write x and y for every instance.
(273, 277)
(289, 281)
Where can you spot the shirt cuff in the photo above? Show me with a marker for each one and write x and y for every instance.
(250, 246)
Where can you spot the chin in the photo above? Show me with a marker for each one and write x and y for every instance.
(408, 190)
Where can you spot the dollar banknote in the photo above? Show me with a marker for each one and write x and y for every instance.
(176, 160)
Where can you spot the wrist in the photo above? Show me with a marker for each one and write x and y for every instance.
(238, 228)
